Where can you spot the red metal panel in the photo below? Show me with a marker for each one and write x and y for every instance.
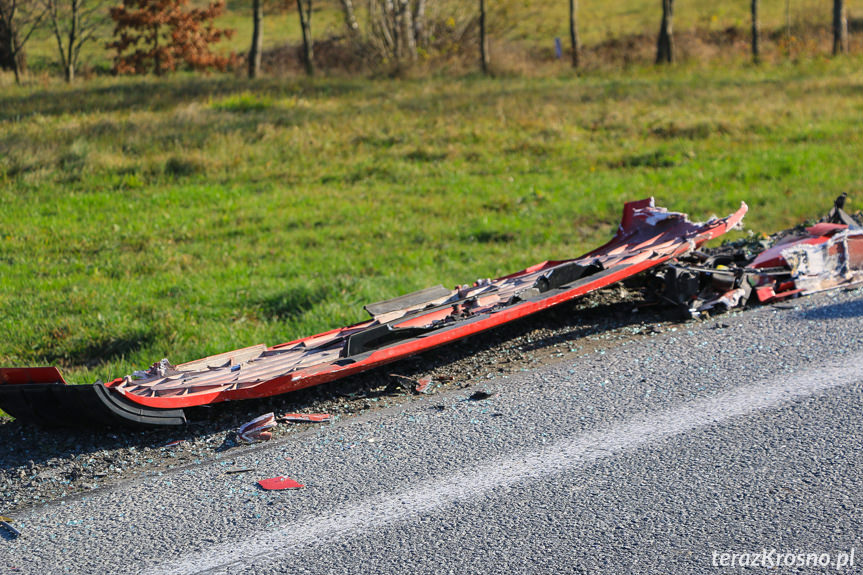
(647, 237)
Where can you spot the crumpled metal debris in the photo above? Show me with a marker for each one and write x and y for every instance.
(413, 385)
(161, 368)
(257, 429)
(423, 386)
(799, 262)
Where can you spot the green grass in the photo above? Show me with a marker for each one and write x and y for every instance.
(188, 216)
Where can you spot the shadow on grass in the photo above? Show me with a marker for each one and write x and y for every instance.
(92, 353)
(293, 302)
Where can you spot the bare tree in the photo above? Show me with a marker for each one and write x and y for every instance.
(483, 37)
(408, 44)
(305, 9)
(257, 38)
(840, 28)
(351, 23)
(19, 19)
(756, 54)
(665, 44)
(573, 32)
(6, 60)
(74, 23)
(420, 24)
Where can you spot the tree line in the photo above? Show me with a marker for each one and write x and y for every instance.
(159, 36)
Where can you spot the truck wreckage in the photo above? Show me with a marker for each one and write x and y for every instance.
(801, 261)
(647, 237)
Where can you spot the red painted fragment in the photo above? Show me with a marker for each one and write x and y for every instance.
(306, 417)
(423, 386)
(24, 375)
(258, 429)
(825, 229)
(279, 483)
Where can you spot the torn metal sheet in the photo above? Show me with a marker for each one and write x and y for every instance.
(400, 327)
(423, 386)
(258, 429)
(824, 256)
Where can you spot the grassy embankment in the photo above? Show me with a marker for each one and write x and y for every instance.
(188, 216)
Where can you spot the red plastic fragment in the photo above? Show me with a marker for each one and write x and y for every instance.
(306, 417)
(423, 385)
(279, 483)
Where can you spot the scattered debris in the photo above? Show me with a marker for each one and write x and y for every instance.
(233, 470)
(791, 263)
(173, 443)
(401, 327)
(279, 483)
(480, 395)
(305, 418)
(414, 385)
(424, 386)
(5, 523)
(161, 368)
(258, 429)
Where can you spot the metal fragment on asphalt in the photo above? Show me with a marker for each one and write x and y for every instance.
(8, 527)
(258, 429)
(306, 417)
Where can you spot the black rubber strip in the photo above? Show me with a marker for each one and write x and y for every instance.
(60, 405)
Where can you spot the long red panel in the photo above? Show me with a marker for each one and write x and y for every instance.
(647, 237)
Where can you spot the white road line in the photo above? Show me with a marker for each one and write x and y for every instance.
(564, 455)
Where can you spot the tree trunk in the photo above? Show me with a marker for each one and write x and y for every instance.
(573, 32)
(756, 49)
(5, 46)
(257, 38)
(840, 28)
(406, 28)
(306, 24)
(483, 38)
(12, 56)
(74, 33)
(420, 28)
(665, 44)
(351, 20)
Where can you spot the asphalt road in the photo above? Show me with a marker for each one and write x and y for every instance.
(735, 439)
